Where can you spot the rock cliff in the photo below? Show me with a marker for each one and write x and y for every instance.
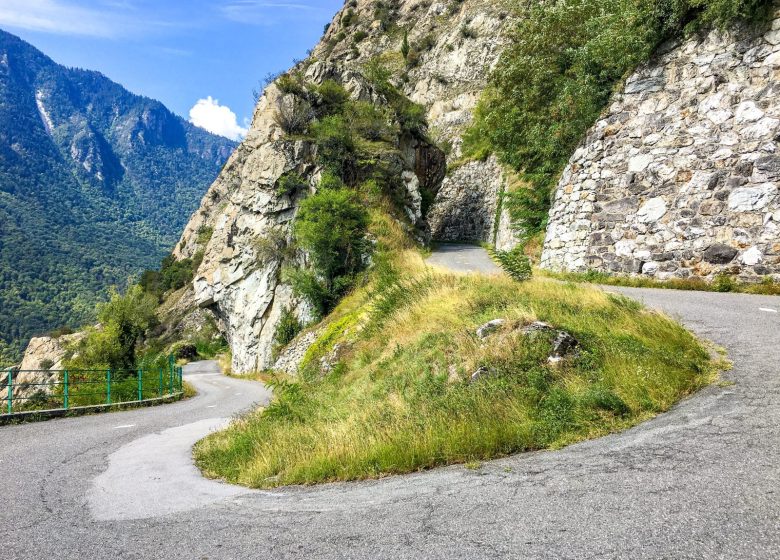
(439, 55)
(680, 176)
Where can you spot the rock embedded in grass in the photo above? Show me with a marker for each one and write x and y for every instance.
(489, 328)
(537, 326)
(563, 345)
(481, 372)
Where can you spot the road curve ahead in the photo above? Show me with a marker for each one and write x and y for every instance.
(701, 481)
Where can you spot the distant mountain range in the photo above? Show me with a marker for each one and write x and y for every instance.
(95, 184)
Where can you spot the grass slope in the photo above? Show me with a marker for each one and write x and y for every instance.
(398, 397)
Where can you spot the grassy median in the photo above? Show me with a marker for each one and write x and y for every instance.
(399, 396)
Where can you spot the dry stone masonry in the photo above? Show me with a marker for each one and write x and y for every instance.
(680, 177)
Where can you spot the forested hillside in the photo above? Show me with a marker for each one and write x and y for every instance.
(95, 185)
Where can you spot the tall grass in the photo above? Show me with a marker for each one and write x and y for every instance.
(399, 398)
(722, 283)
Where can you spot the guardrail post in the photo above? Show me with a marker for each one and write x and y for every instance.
(65, 402)
(160, 384)
(170, 382)
(10, 384)
(140, 384)
(181, 371)
(108, 386)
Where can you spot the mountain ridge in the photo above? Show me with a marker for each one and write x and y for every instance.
(85, 165)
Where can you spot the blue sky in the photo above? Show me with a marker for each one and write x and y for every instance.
(186, 53)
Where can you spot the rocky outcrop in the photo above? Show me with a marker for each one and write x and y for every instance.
(681, 175)
(42, 364)
(453, 46)
(291, 357)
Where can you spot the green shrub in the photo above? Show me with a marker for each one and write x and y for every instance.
(291, 84)
(331, 227)
(329, 97)
(175, 274)
(385, 11)
(293, 114)
(204, 235)
(724, 283)
(287, 329)
(335, 145)
(197, 259)
(311, 288)
(405, 48)
(348, 18)
(152, 283)
(123, 321)
(467, 32)
(291, 184)
(61, 331)
(46, 364)
(411, 116)
(368, 120)
(515, 263)
(359, 36)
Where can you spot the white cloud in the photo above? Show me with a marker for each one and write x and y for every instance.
(267, 12)
(113, 19)
(218, 119)
(54, 16)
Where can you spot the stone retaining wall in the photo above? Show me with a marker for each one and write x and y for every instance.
(680, 176)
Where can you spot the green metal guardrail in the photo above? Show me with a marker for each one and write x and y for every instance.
(68, 389)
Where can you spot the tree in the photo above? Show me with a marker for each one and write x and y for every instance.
(123, 321)
(330, 227)
(405, 45)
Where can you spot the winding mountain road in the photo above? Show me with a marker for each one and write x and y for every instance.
(701, 481)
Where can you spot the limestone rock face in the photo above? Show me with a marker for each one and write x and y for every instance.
(680, 177)
(454, 46)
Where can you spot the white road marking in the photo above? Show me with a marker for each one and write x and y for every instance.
(767, 310)
(124, 426)
(239, 394)
(212, 406)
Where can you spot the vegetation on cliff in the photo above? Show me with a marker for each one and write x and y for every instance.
(356, 147)
(388, 388)
(559, 72)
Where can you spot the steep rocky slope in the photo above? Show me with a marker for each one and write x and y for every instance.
(451, 49)
(680, 176)
(85, 166)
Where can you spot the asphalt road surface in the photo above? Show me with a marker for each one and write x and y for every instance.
(701, 481)
(463, 258)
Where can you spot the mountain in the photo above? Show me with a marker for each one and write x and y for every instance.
(96, 184)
